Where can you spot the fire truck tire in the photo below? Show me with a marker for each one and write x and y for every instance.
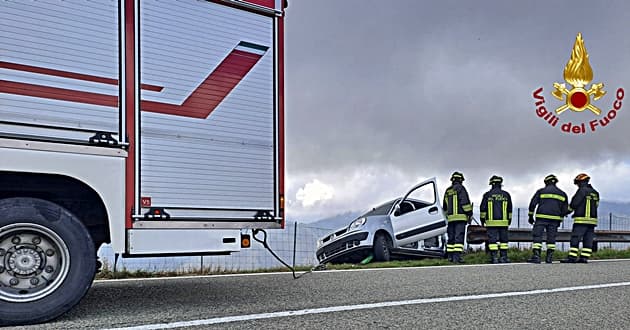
(382, 247)
(47, 261)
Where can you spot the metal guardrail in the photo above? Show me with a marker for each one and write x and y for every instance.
(477, 235)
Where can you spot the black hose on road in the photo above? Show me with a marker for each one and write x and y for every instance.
(263, 241)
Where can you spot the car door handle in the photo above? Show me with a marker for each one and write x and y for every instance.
(433, 210)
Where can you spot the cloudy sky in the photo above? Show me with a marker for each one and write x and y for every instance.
(382, 94)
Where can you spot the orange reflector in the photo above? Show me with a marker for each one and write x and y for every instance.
(245, 241)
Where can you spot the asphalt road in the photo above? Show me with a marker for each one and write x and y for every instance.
(512, 296)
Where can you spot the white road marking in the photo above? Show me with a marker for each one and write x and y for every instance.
(333, 271)
(237, 318)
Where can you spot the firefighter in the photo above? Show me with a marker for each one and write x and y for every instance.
(496, 215)
(584, 205)
(552, 207)
(458, 211)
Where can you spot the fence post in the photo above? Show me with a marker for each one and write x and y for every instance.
(610, 216)
(518, 225)
(201, 270)
(295, 224)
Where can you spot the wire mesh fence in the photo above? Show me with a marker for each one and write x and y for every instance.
(300, 240)
(296, 240)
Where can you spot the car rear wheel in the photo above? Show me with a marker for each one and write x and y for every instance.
(47, 261)
(382, 247)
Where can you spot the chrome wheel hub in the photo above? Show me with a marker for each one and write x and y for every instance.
(25, 261)
(34, 262)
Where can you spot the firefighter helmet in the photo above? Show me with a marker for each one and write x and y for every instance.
(551, 179)
(495, 179)
(582, 177)
(456, 176)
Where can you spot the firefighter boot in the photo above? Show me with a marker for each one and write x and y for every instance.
(504, 258)
(450, 256)
(457, 258)
(549, 257)
(569, 260)
(535, 259)
(582, 260)
(493, 257)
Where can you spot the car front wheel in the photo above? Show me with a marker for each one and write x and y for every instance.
(382, 247)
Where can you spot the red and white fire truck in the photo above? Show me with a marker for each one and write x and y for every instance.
(153, 125)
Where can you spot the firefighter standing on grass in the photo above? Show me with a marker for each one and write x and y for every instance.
(552, 207)
(496, 215)
(584, 205)
(458, 211)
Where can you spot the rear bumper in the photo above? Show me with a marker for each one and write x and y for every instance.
(348, 248)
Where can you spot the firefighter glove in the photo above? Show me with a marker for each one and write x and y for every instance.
(531, 220)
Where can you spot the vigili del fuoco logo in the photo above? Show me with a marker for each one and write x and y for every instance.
(578, 96)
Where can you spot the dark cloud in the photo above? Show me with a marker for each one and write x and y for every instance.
(432, 86)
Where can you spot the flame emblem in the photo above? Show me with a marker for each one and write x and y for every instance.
(578, 73)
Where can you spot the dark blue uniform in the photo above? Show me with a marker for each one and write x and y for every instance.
(548, 206)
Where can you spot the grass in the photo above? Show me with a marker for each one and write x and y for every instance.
(480, 257)
(107, 272)
(471, 258)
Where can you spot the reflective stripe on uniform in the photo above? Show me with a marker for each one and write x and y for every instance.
(504, 246)
(553, 196)
(467, 207)
(585, 220)
(586, 252)
(537, 246)
(551, 217)
(458, 247)
(455, 206)
(551, 246)
(504, 210)
(450, 248)
(493, 246)
(588, 208)
(491, 221)
(456, 217)
(490, 210)
(573, 252)
(497, 223)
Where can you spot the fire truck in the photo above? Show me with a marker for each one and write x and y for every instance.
(155, 126)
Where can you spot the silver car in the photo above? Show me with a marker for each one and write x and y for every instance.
(413, 225)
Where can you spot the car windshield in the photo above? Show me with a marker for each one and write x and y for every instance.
(381, 209)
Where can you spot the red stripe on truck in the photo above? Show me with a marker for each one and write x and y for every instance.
(71, 75)
(199, 104)
(212, 90)
(130, 114)
(55, 93)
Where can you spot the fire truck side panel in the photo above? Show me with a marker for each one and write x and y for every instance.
(214, 157)
(59, 69)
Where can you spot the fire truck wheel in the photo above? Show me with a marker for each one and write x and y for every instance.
(382, 247)
(47, 261)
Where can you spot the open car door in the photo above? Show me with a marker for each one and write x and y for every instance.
(418, 215)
